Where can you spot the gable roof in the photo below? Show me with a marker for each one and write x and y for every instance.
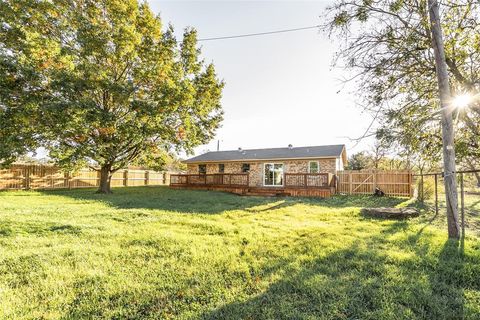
(332, 151)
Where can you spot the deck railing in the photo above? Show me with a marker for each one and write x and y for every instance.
(216, 179)
(308, 180)
(292, 180)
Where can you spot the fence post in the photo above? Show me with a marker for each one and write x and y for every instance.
(462, 201)
(436, 194)
(27, 177)
(125, 178)
(350, 182)
(410, 179)
(147, 177)
(421, 188)
(66, 179)
(374, 180)
(411, 187)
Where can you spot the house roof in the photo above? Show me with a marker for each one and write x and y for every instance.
(332, 151)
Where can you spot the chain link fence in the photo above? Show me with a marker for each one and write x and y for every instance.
(430, 190)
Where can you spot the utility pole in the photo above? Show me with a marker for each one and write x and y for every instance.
(447, 121)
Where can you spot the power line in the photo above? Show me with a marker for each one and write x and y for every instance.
(258, 34)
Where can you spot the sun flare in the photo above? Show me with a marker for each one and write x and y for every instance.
(462, 101)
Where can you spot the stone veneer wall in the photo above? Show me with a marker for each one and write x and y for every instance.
(256, 168)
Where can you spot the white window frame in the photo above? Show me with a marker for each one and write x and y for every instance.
(283, 178)
(318, 166)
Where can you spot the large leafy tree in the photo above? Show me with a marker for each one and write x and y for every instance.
(391, 48)
(388, 49)
(113, 86)
(20, 79)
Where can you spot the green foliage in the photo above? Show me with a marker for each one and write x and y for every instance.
(425, 188)
(341, 19)
(20, 81)
(377, 158)
(359, 161)
(150, 253)
(391, 57)
(160, 160)
(111, 85)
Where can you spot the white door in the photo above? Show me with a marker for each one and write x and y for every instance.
(273, 174)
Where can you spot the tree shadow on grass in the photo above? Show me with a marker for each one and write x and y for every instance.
(366, 281)
(211, 202)
(397, 273)
(359, 201)
(164, 198)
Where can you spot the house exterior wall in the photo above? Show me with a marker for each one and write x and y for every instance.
(256, 168)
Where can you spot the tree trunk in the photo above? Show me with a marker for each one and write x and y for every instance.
(447, 122)
(105, 179)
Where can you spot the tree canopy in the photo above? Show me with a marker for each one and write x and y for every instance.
(101, 83)
(388, 48)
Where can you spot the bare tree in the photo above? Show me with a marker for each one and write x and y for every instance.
(379, 151)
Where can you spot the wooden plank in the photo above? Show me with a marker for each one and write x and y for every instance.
(393, 182)
(20, 176)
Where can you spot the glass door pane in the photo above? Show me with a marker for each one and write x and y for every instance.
(273, 174)
(278, 174)
(268, 174)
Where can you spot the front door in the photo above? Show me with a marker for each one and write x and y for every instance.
(273, 174)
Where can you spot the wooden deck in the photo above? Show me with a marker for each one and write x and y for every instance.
(295, 184)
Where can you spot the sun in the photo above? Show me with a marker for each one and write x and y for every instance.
(462, 101)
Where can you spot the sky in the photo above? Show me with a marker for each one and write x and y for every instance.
(280, 89)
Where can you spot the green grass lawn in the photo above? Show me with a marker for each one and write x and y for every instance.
(154, 253)
(471, 211)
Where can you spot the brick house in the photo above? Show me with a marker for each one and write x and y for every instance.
(273, 167)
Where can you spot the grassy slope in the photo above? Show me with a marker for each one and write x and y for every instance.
(157, 253)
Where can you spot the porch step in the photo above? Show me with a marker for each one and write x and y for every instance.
(266, 192)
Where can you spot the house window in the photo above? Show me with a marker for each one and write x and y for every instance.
(202, 168)
(313, 167)
(245, 167)
(221, 168)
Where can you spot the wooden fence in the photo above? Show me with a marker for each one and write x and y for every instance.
(48, 177)
(393, 183)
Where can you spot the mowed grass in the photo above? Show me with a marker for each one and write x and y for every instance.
(156, 253)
